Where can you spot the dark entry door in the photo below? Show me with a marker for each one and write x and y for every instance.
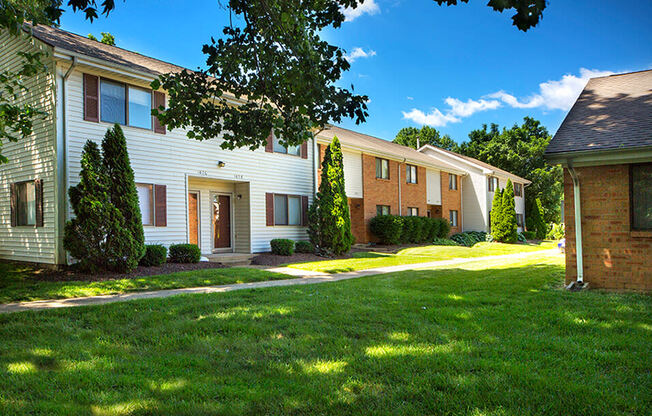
(222, 221)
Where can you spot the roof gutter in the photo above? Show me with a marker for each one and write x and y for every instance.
(579, 284)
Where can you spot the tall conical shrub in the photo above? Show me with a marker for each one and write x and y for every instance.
(507, 227)
(330, 222)
(535, 220)
(97, 221)
(496, 210)
(122, 191)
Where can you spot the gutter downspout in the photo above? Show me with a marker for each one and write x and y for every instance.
(62, 214)
(578, 227)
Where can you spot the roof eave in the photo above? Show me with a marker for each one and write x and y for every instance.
(601, 157)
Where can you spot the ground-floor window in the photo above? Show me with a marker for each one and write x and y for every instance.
(146, 202)
(287, 210)
(25, 203)
(453, 217)
(641, 196)
(519, 220)
(382, 209)
(413, 212)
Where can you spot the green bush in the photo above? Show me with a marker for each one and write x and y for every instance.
(282, 246)
(469, 238)
(557, 232)
(304, 247)
(535, 221)
(387, 228)
(503, 216)
(437, 241)
(444, 227)
(155, 255)
(530, 235)
(185, 253)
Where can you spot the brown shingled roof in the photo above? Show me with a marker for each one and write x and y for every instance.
(613, 112)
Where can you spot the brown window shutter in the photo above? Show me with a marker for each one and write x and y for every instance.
(38, 190)
(91, 98)
(304, 205)
(304, 150)
(160, 206)
(269, 208)
(159, 101)
(269, 147)
(14, 205)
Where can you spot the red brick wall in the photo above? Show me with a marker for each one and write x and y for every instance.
(378, 191)
(356, 207)
(414, 194)
(614, 256)
(451, 200)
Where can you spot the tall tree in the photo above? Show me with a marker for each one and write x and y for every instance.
(496, 209)
(107, 38)
(122, 191)
(520, 150)
(413, 137)
(330, 228)
(90, 235)
(504, 229)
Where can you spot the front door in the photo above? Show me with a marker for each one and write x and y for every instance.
(222, 221)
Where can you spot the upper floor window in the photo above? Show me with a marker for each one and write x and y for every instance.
(413, 212)
(493, 183)
(382, 168)
(382, 209)
(518, 189)
(411, 174)
(280, 148)
(124, 104)
(641, 196)
(452, 181)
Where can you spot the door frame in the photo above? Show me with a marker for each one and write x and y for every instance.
(231, 248)
(198, 193)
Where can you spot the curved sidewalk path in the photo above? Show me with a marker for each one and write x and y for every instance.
(302, 277)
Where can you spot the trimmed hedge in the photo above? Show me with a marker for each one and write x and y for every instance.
(444, 242)
(393, 229)
(304, 247)
(530, 235)
(282, 246)
(469, 238)
(155, 255)
(185, 253)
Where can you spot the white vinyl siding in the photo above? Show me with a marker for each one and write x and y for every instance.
(352, 174)
(176, 161)
(32, 157)
(433, 187)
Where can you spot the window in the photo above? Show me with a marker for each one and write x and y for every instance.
(112, 102)
(493, 184)
(452, 182)
(518, 189)
(125, 104)
(146, 202)
(519, 220)
(411, 174)
(453, 218)
(382, 209)
(140, 107)
(287, 210)
(382, 168)
(413, 212)
(641, 196)
(429, 214)
(280, 148)
(26, 203)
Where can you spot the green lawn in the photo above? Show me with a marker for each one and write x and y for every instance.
(491, 338)
(371, 260)
(16, 283)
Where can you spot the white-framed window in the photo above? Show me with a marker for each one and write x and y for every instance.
(125, 104)
(382, 168)
(25, 203)
(146, 202)
(280, 148)
(452, 182)
(287, 210)
(413, 212)
(519, 220)
(493, 184)
(382, 210)
(453, 217)
(411, 174)
(518, 189)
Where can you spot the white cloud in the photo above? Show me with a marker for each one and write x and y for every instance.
(359, 53)
(368, 7)
(553, 95)
(468, 108)
(410, 98)
(435, 118)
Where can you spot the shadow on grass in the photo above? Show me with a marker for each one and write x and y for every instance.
(454, 341)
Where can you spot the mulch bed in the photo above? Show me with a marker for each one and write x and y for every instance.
(269, 259)
(70, 274)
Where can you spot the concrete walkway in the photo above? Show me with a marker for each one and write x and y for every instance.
(303, 277)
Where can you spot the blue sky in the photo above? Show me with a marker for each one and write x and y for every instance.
(453, 68)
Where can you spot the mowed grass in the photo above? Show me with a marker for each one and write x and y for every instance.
(17, 283)
(371, 260)
(485, 338)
